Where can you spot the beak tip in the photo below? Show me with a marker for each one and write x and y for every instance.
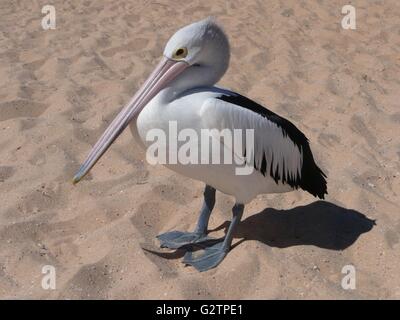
(75, 180)
(78, 176)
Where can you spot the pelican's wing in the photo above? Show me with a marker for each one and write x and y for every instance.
(280, 149)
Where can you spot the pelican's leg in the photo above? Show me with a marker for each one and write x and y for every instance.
(211, 256)
(177, 239)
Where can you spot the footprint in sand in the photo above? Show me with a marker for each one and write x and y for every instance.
(173, 193)
(21, 108)
(328, 139)
(137, 44)
(358, 125)
(42, 199)
(149, 219)
(6, 172)
(90, 281)
(392, 236)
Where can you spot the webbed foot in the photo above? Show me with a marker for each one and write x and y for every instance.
(178, 239)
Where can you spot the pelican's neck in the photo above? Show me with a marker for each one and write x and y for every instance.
(196, 76)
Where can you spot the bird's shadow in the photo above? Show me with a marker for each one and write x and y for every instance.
(321, 223)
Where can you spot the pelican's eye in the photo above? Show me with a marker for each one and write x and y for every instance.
(180, 53)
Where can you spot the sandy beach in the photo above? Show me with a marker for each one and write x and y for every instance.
(59, 89)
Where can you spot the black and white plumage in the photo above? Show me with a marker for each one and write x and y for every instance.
(286, 157)
(182, 89)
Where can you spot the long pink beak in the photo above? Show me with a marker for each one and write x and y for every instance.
(166, 71)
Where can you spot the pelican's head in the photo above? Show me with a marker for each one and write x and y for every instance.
(202, 43)
(197, 54)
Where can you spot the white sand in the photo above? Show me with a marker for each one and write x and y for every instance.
(60, 88)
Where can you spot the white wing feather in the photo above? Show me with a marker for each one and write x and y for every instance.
(269, 139)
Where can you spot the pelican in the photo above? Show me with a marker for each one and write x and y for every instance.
(182, 89)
